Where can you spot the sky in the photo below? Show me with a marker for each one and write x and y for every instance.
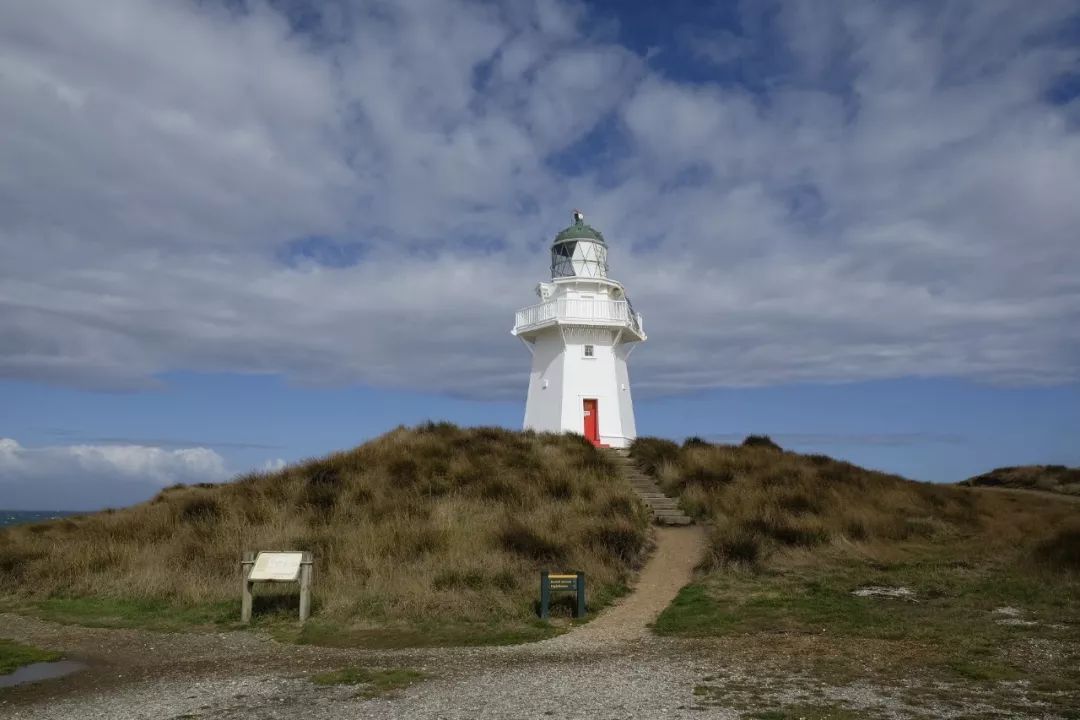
(238, 234)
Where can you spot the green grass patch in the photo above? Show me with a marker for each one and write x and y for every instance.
(376, 681)
(122, 613)
(695, 612)
(950, 622)
(14, 655)
(809, 712)
(983, 670)
(947, 602)
(280, 621)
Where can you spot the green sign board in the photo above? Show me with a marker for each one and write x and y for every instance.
(562, 582)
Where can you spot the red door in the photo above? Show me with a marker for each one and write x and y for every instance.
(592, 422)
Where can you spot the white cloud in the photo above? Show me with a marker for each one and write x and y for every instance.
(273, 465)
(86, 476)
(897, 201)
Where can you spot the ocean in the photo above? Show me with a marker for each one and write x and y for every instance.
(18, 517)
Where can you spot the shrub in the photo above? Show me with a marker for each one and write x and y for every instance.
(620, 539)
(200, 510)
(519, 538)
(760, 441)
(788, 531)
(1061, 551)
(729, 544)
(651, 453)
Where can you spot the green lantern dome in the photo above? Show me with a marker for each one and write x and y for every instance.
(578, 230)
(579, 251)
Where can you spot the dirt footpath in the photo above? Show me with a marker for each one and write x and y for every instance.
(678, 550)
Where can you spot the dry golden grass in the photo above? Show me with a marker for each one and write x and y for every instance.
(1051, 478)
(760, 500)
(436, 522)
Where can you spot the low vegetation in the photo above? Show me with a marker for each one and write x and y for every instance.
(880, 574)
(374, 682)
(432, 535)
(14, 655)
(1049, 478)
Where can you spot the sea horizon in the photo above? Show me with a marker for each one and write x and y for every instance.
(21, 517)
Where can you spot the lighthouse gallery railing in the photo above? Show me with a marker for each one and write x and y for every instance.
(575, 309)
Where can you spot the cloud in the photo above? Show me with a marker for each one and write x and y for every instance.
(72, 437)
(80, 477)
(273, 465)
(364, 192)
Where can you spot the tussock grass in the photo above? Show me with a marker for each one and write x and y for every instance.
(1050, 478)
(436, 524)
(760, 499)
(1061, 550)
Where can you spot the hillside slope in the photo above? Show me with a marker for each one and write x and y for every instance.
(874, 576)
(427, 535)
(1049, 478)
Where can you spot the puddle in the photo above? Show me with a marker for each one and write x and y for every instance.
(40, 671)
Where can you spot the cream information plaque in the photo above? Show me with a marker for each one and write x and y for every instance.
(280, 566)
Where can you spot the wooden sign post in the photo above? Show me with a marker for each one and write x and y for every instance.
(276, 567)
(574, 583)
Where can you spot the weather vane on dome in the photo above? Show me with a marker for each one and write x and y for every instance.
(579, 216)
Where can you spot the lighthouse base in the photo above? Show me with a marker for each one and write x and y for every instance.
(579, 383)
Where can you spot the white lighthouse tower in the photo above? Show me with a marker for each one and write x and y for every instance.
(580, 335)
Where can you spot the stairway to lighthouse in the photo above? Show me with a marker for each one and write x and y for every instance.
(665, 510)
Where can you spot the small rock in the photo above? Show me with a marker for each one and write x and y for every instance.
(899, 593)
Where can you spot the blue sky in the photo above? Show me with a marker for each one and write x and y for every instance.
(235, 235)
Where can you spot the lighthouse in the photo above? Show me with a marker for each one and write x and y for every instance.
(580, 335)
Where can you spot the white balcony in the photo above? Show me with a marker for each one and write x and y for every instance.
(571, 311)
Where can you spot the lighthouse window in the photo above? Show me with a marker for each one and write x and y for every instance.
(589, 351)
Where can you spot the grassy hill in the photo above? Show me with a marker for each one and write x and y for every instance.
(1050, 478)
(848, 573)
(423, 536)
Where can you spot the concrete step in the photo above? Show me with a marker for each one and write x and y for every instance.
(674, 520)
(664, 510)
